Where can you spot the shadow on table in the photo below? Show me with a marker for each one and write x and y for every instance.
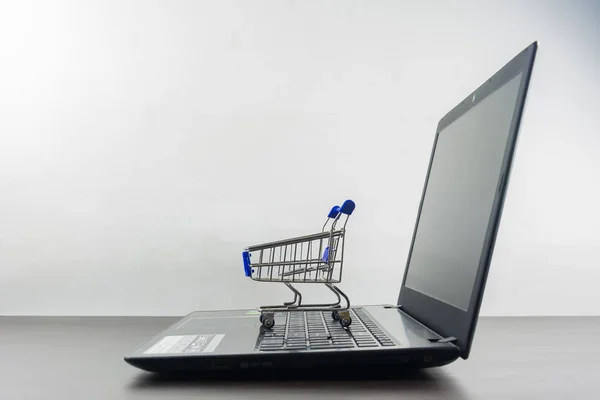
(364, 379)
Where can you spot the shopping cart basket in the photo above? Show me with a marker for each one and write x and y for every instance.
(316, 258)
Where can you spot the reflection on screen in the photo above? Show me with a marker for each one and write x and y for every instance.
(458, 201)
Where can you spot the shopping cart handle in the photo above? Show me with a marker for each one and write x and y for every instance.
(247, 267)
(334, 212)
(348, 207)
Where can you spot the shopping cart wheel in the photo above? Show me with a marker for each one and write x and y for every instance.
(268, 322)
(335, 315)
(345, 321)
(267, 319)
(344, 317)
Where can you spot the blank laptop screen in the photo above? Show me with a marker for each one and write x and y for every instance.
(459, 196)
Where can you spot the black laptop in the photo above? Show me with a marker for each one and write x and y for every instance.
(433, 321)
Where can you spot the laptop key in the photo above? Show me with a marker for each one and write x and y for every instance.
(296, 345)
(265, 345)
(302, 343)
(370, 344)
(273, 340)
(331, 346)
(342, 339)
(271, 345)
(295, 341)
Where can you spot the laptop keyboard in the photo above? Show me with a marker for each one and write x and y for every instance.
(316, 330)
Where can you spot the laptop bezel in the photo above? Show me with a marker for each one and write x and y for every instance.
(443, 318)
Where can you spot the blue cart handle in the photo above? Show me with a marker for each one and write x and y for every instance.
(348, 207)
(334, 212)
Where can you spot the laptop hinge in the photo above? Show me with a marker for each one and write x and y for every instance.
(450, 339)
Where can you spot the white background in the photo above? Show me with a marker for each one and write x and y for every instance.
(144, 144)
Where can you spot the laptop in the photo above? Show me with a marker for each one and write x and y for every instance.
(433, 321)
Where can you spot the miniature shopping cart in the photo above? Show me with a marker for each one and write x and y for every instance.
(316, 258)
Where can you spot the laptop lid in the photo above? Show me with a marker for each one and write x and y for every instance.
(461, 204)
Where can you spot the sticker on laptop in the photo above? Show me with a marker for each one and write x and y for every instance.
(186, 344)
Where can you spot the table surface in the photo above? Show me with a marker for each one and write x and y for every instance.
(82, 357)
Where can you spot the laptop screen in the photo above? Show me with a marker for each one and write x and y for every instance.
(458, 201)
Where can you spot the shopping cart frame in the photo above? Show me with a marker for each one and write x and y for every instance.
(329, 266)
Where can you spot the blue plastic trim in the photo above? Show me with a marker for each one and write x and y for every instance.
(348, 207)
(247, 268)
(326, 254)
(334, 212)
